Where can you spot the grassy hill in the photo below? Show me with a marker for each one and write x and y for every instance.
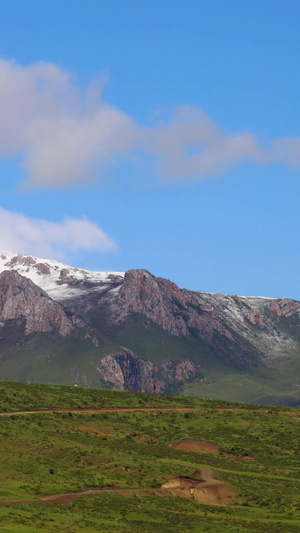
(85, 460)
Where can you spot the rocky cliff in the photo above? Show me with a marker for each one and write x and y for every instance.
(22, 301)
(126, 371)
(136, 331)
(239, 329)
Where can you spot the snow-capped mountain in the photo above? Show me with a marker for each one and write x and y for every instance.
(107, 299)
(60, 281)
(137, 331)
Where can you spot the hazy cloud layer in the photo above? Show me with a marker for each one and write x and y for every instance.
(67, 135)
(51, 239)
(192, 145)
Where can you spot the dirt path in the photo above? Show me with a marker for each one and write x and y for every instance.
(95, 410)
(66, 498)
(205, 488)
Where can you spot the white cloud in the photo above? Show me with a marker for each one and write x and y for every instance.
(192, 145)
(51, 239)
(66, 135)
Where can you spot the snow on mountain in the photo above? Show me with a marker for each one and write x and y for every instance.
(63, 282)
(59, 280)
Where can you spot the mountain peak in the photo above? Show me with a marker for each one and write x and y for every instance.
(59, 280)
(24, 302)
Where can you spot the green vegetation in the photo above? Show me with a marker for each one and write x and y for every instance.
(246, 387)
(125, 455)
(50, 358)
(152, 342)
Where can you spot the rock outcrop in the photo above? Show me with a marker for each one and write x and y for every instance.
(285, 307)
(127, 371)
(22, 301)
(240, 329)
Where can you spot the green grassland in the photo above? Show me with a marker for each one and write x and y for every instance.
(127, 453)
(268, 386)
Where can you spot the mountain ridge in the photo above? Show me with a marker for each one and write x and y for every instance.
(148, 334)
(35, 267)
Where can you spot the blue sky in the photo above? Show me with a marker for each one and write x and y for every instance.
(158, 135)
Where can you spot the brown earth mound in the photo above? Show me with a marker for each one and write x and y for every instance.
(190, 445)
(180, 482)
(210, 490)
(214, 493)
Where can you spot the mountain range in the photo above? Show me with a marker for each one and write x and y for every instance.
(138, 332)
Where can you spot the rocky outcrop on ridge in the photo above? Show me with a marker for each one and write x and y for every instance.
(22, 301)
(239, 327)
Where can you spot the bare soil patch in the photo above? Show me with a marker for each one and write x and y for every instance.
(180, 483)
(95, 431)
(190, 445)
(215, 493)
(241, 457)
(209, 490)
(232, 409)
(287, 413)
(95, 410)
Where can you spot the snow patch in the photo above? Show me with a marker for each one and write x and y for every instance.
(59, 280)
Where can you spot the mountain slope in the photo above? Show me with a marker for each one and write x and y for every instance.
(151, 335)
(34, 329)
(23, 301)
